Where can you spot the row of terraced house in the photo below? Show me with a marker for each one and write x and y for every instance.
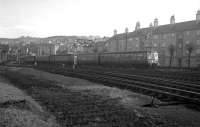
(177, 42)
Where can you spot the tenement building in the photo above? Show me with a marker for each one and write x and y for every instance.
(179, 42)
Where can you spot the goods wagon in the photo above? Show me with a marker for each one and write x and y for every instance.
(63, 59)
(88, 59)
(123, 59)
(27, 59)
(43, 59)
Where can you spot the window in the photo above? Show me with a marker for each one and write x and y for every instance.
(130, 39)
(188, 33)
(146, 44)
(163, 45)
(198, 32)
(198, 51)
(180, 45)
(198, 42)
(164, 36)
(173, 34)
(137, 39)
(187, 42)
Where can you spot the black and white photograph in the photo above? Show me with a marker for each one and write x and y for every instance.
(99, 63)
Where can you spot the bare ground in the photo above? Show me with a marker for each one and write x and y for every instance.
(77, 102)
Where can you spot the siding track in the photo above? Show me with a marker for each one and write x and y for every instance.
(161, 88)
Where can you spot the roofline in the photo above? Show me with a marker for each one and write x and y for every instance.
(141, 29)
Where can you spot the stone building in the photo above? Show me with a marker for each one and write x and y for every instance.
(4, 48)
(159, 38)
(45, 49)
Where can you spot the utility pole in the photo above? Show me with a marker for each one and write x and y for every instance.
(75, 54)
(126, 32)
(149, 38)
(50, 51)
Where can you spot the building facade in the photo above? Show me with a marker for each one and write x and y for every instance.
(4, 48)
(184, 37)
(46, 49)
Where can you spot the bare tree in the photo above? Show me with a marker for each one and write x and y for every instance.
(189, 48)
(171, 49)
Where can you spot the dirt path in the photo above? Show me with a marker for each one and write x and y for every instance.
(76, 102)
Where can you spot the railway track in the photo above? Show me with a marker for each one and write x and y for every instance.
(185, 76)
(166, 90)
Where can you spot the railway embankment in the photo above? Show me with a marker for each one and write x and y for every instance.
(78, 102)
(17, 109)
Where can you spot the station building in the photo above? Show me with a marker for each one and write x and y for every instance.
(160, 38)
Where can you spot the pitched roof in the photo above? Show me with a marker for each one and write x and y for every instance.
(169, 28)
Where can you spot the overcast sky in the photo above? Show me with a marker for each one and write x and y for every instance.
(42, 18)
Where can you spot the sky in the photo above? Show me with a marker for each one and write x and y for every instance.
(43, 18)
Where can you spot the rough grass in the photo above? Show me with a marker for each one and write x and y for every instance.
(74, 108)
(12, 117)
(77, 102)
(19, 110)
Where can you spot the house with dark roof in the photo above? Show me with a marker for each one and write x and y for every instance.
(159, 38)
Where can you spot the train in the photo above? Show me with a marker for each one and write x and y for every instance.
(111, 59)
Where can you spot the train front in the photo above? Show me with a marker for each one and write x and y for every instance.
(152, 58)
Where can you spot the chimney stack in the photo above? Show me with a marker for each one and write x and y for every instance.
(115, 32)
(198, 17)
(137, 27)
(126, 30)
(150, 25)
(172, 20)
(155, 22)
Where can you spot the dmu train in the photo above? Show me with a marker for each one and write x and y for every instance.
(123, 59)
